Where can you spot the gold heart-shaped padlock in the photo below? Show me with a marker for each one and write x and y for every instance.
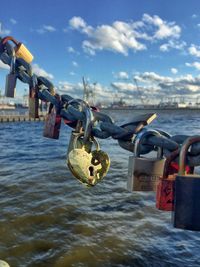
(80, 163)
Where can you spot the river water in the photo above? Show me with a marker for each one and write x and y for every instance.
(49, 219)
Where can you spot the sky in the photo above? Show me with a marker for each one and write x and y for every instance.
(114, 44)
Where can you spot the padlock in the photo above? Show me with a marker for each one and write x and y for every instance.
(88, 168)
(165, 185)
(20, 50)
(52, 123)
(143, 173)
(186, 213)
(11, 79)
(33, 99)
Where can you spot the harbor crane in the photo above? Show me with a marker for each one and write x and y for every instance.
(139, 92)
(88, 92)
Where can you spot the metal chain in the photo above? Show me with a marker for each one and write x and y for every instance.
(103, 126)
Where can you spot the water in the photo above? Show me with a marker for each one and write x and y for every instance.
(48, 219)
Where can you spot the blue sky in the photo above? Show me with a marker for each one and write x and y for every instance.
(110, 43)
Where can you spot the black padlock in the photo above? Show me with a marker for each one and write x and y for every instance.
(186, 213)
(11, 79)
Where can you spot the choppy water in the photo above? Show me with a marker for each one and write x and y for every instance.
(48, 219)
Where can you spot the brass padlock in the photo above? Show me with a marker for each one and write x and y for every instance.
(33, 99)
(186, 213)
(80, 163)
(11, 79)
(143, 173)
(52, 123)
(89, 168)
(20, 49)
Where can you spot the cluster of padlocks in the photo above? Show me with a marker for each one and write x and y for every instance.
(177, 187)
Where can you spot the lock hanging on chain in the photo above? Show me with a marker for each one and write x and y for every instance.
(166, 183)
(186, 213)
(20, 49)
(11, 78)
(33, 98)
(52, 123)
(143, 172)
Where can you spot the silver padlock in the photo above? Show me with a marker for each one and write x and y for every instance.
(11, 79)
(143, 172)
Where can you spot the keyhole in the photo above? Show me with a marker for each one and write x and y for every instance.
(91, 170)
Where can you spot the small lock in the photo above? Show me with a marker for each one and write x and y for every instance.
(165, 186)
(143, 173)
(10, 87)
(88, 167)
(20, 49)
(166, 183)
(80, 163)
(11, 79)
(33, 104)
(52, 123)
(33, 99)
(186, 213)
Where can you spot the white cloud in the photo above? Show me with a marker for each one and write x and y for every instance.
(122, 86)
(174, 70)
(194, 50)
(74, 63)
(4, 31)
(46, 28)
(151, 77)
(70, 49)
(13, 21)
(78, 23)
(182, 85)
(172, 44)
(122, 75)
(120, 37)
(41, 72)
(195, 65)
(194, 16)
(72, 73)
(164, 29)
(4, 66)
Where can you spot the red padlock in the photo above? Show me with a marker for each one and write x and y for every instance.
(165, 185)
(52, 123)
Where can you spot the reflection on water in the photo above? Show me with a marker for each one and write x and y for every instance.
(49, 219)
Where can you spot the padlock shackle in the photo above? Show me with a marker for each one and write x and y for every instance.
(88, 123)
(79, 135)
(9, 38)
(168, 161)
(183, 152)
(140, 137)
